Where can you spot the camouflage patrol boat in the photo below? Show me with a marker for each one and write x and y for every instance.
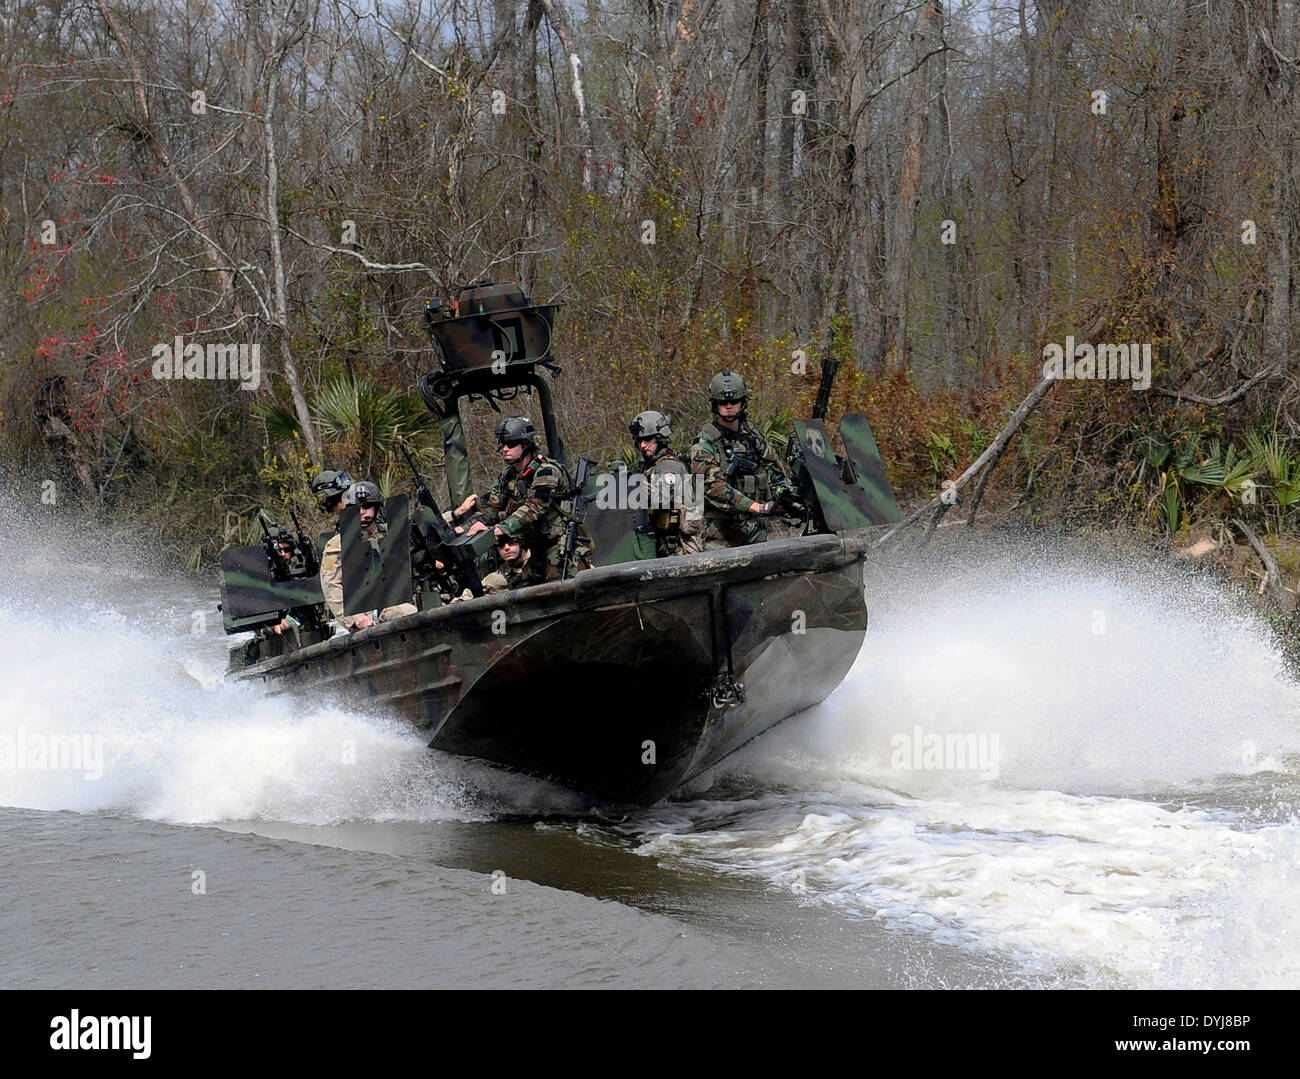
(623, 681)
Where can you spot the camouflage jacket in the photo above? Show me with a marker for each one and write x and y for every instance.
(531, 571)
(711, 455)
(532, 498)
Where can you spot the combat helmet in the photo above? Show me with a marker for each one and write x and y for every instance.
(728, 386)
(512, 530)
(363, 493)
(517, 429)
(650, 424)
(329, 485)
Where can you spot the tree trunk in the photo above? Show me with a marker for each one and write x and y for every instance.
(158, 149)
(532, 115)
(897, 275)
(753, 231)
(949, 368)
(855, 229)
(1282, 87)
(559, 21)
(279, 291)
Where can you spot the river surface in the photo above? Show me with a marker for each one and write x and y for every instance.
(1050, 766)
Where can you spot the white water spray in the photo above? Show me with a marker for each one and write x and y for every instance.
(1142, 826)
(138, 670)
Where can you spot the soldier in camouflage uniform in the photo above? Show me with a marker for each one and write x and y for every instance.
(518, 569)
(528, 492)
(666, 477)
(367, 498)
(735, 504)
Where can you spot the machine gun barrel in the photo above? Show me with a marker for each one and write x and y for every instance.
(829, 366)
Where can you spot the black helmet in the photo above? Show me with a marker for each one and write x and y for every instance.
(727, 386)
(650, 424)
(363, 493)
(279, 535)
(516, 429)
(328, 486)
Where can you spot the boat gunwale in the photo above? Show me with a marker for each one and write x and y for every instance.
(601, 587)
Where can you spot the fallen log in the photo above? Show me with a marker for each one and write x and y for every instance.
(989, 459)
(1273, 576)
(940, 504)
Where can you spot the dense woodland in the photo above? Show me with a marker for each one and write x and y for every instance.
(933, 192)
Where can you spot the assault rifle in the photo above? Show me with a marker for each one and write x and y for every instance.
(741, 464)
(784, 500)
(306, 549)
(463, 573)
(577, 514)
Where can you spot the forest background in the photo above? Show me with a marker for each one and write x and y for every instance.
(932, 192)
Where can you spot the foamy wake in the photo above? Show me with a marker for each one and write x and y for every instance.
(1140, 827)
(100, 711)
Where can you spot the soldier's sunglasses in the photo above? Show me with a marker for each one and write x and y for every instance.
(503, 540)
(512, 444)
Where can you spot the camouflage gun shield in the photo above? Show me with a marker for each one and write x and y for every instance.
(843, 505)
(250, 594)
(376, 571)
(620, 534)
(869, 470)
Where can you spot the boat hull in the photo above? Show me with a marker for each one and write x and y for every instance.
(612, 683)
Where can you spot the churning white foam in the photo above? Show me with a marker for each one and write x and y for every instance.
(1119, 838)
(179, 743)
